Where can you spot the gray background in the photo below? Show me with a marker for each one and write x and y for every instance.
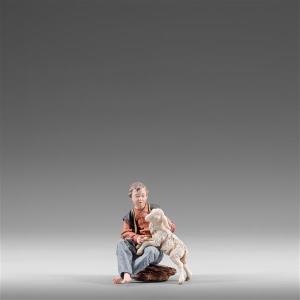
(197, 99)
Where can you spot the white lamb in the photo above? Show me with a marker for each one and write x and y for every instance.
(167, 241)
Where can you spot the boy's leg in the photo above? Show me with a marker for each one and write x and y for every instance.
(125, 256)
(151, 255)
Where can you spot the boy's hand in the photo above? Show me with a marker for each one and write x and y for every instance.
(140, 239)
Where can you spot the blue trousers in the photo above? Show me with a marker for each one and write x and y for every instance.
(129, 262)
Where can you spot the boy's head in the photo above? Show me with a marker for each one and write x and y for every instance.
(138, 193)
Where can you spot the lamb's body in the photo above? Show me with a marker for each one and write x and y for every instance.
(172, 244)
(168, 242)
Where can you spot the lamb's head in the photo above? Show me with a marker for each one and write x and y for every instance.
(158, 218)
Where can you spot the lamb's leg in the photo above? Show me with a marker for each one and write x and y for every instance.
(176, 260)
(186, 268)
(144, 245)
(188, 272)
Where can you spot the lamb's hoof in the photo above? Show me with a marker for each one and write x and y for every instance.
(181, 280)
(188, 276)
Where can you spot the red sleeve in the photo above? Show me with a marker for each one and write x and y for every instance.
(127, 232)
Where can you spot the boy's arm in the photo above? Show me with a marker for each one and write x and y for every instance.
(128, 233)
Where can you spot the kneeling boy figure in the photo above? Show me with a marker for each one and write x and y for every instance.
(135, 230)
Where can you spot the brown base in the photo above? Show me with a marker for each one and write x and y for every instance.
(154, 273)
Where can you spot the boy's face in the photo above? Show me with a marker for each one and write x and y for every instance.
(139, 198)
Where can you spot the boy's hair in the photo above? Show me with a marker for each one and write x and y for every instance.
(137, 186)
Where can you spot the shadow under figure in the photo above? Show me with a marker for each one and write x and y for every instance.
(167, 242)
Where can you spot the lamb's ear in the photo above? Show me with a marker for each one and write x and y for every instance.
(165, 222)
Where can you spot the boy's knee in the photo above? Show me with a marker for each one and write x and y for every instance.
(121, 244)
